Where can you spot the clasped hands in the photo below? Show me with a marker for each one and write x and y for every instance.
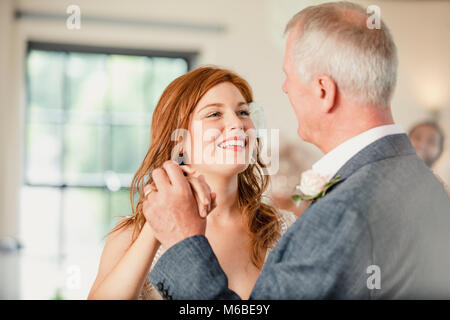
(176, 205)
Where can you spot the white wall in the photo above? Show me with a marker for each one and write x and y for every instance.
(252, 45)
(9, 124)
(421, 30)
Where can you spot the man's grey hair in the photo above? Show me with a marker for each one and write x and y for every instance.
(334, 39)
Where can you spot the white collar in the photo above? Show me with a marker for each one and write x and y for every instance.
(334, 160)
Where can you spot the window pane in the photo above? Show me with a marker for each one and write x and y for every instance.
(85, 154)
(86, 219)
(86, 223)
(129, 75)
(165, 70)
(120, 205)
(45, 74)
(87, 80)
(39, 220)
(43, 151)
(39, 277)
(88, 124)
(130, 145)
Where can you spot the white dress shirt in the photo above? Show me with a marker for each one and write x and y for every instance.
(334, 160)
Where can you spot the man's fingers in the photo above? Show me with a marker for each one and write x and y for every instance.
(200, 207)
(187, 169)
(149, 188)
(208, 191)
(213, 201)
(175, 174)
(203, 195)
(172, 175)
(160, 179)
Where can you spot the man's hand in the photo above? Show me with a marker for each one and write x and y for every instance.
(172, 208)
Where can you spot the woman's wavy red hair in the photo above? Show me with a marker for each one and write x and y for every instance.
(172, 112)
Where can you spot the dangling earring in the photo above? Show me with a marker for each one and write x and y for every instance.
(181, 161)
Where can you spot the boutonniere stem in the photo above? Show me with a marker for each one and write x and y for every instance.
(313, 186)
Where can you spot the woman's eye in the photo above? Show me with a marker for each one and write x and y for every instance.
(244, 113)
(214, 114)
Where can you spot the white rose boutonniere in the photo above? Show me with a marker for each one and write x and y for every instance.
(313, 185)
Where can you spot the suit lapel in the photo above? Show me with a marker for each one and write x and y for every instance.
(384, 148)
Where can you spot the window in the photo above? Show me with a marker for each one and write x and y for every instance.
(87, 125)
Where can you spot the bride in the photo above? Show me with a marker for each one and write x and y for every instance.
(241, 227)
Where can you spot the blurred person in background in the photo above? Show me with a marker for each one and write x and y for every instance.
(428, 140)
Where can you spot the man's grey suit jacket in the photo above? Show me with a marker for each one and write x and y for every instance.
(383, 232)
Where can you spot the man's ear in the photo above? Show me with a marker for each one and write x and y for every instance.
(326, 91)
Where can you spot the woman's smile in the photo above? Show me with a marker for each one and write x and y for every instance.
(236, 143)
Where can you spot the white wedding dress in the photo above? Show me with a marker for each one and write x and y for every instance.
(148, 292)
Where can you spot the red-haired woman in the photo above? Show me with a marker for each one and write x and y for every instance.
(210, 107)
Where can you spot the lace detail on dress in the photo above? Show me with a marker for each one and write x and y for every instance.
(286, 219)
(149, 292)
